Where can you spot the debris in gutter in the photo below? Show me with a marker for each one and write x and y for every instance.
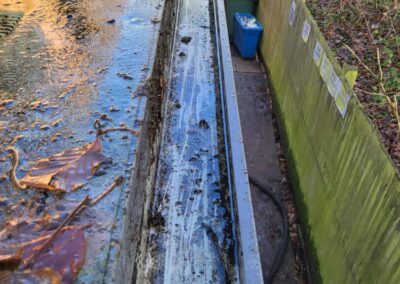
(186, 39)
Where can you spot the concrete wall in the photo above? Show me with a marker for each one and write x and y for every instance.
(346, 186)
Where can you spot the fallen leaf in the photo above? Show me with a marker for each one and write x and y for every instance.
(65, 255)
(44, 276)
(56, 122)
(10, 262)
(65, 171)
(60, 263)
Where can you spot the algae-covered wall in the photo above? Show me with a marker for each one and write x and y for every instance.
(346, 185)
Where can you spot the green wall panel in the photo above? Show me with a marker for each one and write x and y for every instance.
(346, 186)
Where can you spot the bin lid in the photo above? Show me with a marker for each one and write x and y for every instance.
(248, 21)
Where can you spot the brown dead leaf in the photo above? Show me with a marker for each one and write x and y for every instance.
(44, 276)
(65, 255)
(10, 262)
(60, 263)
(65, 171)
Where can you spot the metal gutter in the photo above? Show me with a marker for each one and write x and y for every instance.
(248, 252)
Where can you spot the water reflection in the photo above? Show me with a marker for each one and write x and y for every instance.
(25, 6)
(53, 55)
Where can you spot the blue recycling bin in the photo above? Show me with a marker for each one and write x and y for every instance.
(246, 37)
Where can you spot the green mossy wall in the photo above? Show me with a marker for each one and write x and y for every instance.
(347, 188)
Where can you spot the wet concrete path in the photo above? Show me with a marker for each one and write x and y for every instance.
(262, 163)
(66, 64)
(69, 63)
(195, 244)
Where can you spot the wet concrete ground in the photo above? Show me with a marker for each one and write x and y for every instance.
(196, 238)
(65, 65)
(262, 163)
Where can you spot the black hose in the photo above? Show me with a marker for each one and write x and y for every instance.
(281, 252)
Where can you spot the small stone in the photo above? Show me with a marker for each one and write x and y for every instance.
(7, 103)
(203, 124)
(3, 202)
(155, 20)
(186, 39)
(17, 138)
(104, 117)
(44, 127)
(124, 76)
(114, 109)
(100, 173)
(56, 123)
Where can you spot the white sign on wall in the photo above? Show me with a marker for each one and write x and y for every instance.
(292, 13)
(318, 51)
(326, 68)
(306, 31)
(334, 84)
(342, 101)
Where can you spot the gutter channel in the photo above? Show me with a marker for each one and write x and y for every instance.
(140, 219)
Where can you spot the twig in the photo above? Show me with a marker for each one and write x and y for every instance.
(393, 28)
(14, 165)
(366, 22)
(392, 104)
(117, 182)
(369, 93)
(81, 206)
(100, 131)
(378, 57)
(104, 131)
(361, 62)
(70, 217)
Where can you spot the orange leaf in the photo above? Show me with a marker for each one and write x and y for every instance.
(65, 171)
(60, 263)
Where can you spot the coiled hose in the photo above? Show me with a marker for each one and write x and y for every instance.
(282, 249)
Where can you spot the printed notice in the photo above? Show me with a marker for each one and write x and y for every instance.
(318, 51)
(326, 68)
(334, 84)
(292, 13)
(342, 101)
(306, 31)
